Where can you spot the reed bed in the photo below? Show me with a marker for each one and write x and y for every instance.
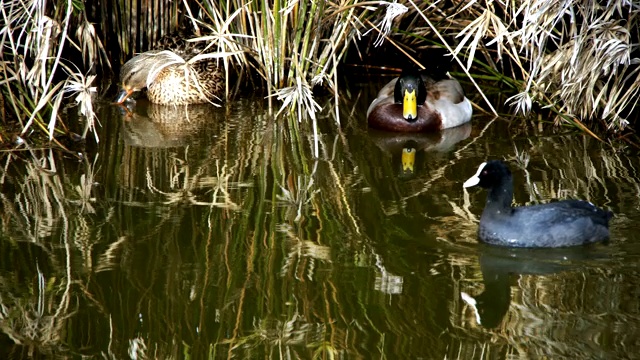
(34, 38)
(292, 45)
(575, 58)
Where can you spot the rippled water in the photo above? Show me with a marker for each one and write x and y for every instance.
(216, 233)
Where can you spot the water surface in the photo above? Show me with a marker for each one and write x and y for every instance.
(216, 233)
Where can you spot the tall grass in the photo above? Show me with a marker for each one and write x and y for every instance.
(33, 39)
(576, 58)
(292, 45)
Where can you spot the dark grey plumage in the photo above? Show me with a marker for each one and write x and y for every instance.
(556, 224)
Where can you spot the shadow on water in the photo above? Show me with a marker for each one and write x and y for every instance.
(214, 232)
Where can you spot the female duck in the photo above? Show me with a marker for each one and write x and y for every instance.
(170, 80)
(562, 223)
(416, 103)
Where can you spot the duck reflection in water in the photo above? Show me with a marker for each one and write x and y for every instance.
(150, 125)
(500, 265)
(407, 146)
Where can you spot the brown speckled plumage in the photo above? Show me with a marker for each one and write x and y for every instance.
(170, 80)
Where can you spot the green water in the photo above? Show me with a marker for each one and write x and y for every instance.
(216, 233)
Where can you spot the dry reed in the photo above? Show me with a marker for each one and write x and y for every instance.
(574, 57)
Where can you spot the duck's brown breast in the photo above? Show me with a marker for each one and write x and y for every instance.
(389, 117)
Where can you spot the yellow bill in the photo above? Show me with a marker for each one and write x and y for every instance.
(409, 105)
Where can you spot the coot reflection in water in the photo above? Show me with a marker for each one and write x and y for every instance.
(500, 265)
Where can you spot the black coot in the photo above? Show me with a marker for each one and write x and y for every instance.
(557, 224)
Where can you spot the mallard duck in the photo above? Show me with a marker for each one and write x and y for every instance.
(170, 80)
(416, 103)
